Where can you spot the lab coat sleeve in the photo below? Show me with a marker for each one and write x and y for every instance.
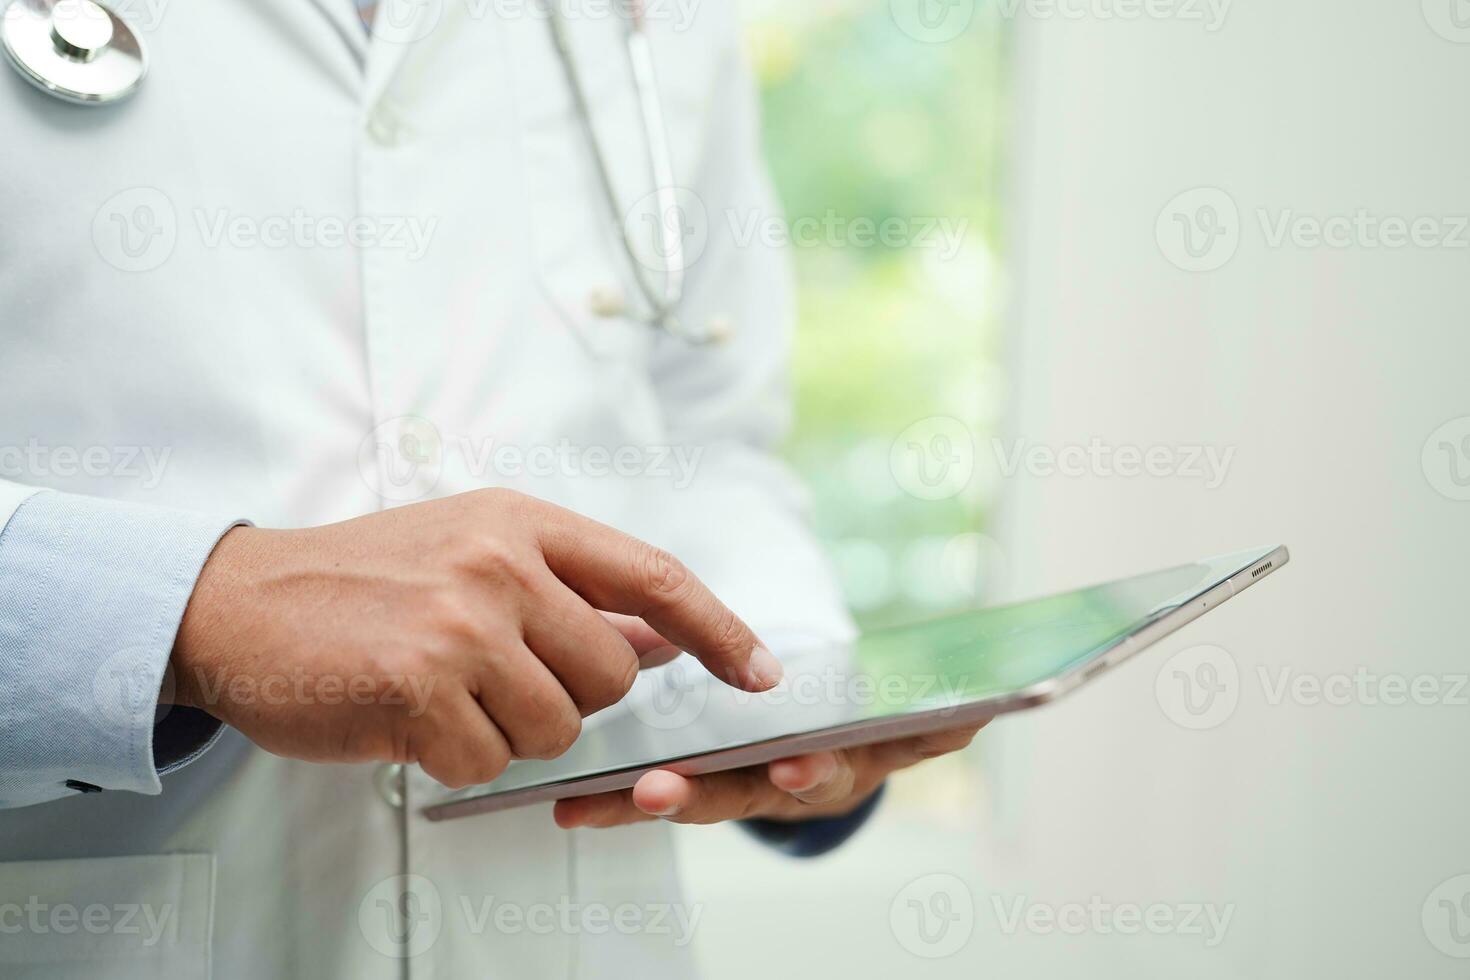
(732, 402)
(91, 595)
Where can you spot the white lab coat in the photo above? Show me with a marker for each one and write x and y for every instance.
(156, 294)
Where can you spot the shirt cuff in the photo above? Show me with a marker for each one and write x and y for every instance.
(91, 595)
(812, 838)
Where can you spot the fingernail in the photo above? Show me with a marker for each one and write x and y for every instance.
(672, 810)
(766, 669)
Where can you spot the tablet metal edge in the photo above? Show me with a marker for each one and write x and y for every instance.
(886, 729)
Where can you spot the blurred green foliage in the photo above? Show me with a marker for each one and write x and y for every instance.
(865, 123)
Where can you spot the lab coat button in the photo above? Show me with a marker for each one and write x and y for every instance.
(385, 128)
(388, 779)
(720, 329)
(607, 302)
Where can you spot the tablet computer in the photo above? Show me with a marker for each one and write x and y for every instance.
(891, 683)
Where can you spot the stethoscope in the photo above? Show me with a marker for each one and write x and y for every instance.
(76, 50)
(81, 52)
(660, 304)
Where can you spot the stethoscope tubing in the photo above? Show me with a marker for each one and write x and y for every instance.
(662, 305)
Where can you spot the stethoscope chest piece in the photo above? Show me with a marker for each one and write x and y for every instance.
(76, 50)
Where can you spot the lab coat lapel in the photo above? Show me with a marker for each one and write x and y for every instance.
(345, 21)
(399, 26)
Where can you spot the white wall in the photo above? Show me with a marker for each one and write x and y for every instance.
(1325, 370)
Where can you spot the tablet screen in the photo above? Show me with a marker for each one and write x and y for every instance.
(679, 711)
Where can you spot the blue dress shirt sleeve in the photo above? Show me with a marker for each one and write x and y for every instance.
(812, 838)
(91, 595)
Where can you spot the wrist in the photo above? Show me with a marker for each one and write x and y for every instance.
(198, 649)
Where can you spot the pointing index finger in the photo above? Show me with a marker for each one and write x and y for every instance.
(619, 573)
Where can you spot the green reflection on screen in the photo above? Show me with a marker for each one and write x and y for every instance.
(1007, 649)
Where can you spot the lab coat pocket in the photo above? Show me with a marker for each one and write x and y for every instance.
(124, 918)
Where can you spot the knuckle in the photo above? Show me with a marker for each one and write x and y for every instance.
(496, 498)
(729, 633)
(664, 577)
(564, 733)
(550, 737)
(490, 764)
(545, 725)
(456, 620)
(504, 561)
(449, 774)
(494, 553)
(611, 682)
(501, 505)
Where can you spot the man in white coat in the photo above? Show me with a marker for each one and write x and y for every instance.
(320, 400)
